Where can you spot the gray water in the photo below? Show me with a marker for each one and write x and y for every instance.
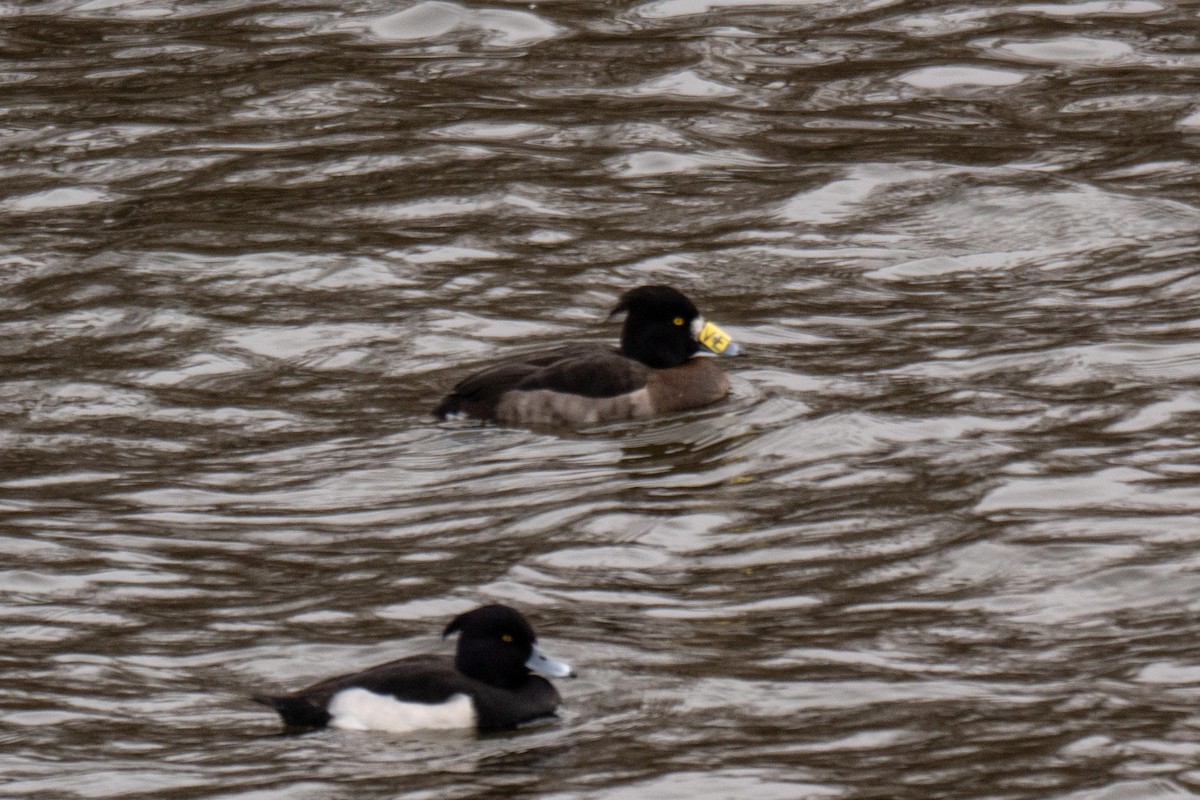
(939, 543)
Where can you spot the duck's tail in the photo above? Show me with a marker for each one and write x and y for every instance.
(296, 712)
(451, 404)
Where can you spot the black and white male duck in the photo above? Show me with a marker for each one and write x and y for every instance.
(658, 369)
(487, 685)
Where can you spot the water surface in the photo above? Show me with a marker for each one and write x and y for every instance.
(939, 543)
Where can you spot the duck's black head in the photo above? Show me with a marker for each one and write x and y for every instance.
(664, 329)
(659, 328)
(497, 645)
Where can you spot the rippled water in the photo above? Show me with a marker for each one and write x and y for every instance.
(941, 542)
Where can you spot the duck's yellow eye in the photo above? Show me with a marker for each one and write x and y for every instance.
(679, 322)
(505, 638)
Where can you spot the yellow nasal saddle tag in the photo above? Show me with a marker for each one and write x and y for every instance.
(714, 338)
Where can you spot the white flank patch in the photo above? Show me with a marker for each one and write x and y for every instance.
(359, 710)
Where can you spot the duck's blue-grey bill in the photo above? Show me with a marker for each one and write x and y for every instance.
(718, 341)
(540, 662)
